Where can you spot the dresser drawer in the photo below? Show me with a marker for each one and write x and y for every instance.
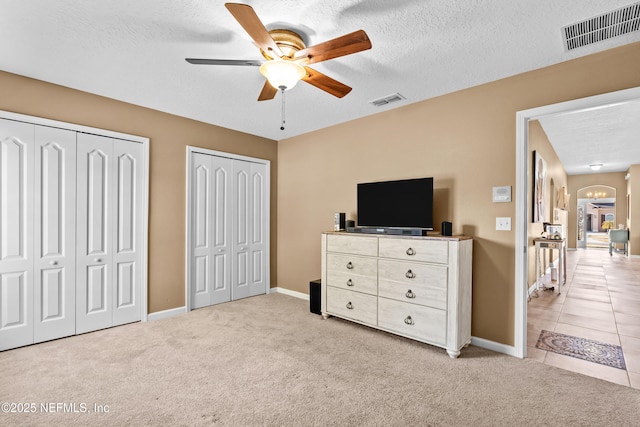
(410, 273)
(430, 291)
(415, 250)
(352, 244)
(353, 273)
(415, 321)
(352, 305)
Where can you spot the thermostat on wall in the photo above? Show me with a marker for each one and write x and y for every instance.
(502, 194)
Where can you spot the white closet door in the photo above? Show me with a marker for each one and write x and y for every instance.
(54, 228)
(201, 263)
(258, 227)
(221, 224)
(211, 230)
(16, 233)
(96, 198)
(128, 180)
(241, 235)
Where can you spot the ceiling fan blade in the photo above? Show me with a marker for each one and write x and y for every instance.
(341, 46)
(248, 62)
(326, 83)
(247, 18)
(268, 92)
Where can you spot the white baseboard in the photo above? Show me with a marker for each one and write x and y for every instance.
(494, 346)
(166, 313)
(291, 293)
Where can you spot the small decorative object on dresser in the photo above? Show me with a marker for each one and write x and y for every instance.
(418, 287)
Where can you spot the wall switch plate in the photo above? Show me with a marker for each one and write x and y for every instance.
(503, 223)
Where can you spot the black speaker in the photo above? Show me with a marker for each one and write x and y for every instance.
(349, 223)
(446, 228)
(315, 292)
(338, 222)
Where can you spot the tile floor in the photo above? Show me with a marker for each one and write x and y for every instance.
(600, 301)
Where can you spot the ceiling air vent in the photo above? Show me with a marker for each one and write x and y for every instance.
(603, 27)
(387, 100)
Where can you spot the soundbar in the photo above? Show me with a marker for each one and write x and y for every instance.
(388, 230)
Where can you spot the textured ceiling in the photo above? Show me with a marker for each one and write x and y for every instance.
(134, 50)
(609, 136)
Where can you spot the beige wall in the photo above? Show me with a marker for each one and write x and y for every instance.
(169, 136)
(556, 177)
(465, 140)
(613, 180)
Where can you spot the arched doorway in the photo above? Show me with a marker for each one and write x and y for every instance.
(595, 216)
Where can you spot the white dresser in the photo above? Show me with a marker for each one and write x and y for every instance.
(415, 286)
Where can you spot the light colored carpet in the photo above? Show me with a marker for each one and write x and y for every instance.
(268, 361)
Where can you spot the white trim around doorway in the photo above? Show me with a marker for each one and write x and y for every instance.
(522, 203)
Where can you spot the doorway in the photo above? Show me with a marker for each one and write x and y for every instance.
(522, 202)
(595, 216)
(227, 227)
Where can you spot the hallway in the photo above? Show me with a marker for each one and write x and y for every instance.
(601, 302)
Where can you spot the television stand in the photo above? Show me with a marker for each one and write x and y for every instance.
(388, 230)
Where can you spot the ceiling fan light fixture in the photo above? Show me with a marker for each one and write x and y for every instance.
(282, 74)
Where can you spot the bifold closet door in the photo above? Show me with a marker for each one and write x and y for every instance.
(211, 224)
(37, 255)
(109, 187)
(228, 225)
(17, 154)
(54, 233)
(249, 230)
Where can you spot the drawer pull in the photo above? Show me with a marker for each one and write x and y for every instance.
(349, 305)
(350, 265)
(409, 321)
(411, 252)
(410, 274)
(410, 294)
(349, 282)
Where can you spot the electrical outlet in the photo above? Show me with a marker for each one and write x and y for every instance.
(503, 223)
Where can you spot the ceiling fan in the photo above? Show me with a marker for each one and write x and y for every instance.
(287, 57)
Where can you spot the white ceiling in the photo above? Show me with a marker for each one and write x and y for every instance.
(134, 50)
(608, 135)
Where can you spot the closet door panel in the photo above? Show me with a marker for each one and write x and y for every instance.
(95, 196)
(54, 228)
(127, 257)
(241, 230)
(16, 233)
(221, 229)
(257, 219)
(202, 246)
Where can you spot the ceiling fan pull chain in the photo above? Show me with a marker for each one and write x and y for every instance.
(282, 125)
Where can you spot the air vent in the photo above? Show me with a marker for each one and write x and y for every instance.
(603, 27)
(387, 100)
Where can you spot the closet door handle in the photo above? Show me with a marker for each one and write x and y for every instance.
(410, 274)
(98, 260)
(221, 250)
(54, 263)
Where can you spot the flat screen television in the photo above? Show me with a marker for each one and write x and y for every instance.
(406, 203)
